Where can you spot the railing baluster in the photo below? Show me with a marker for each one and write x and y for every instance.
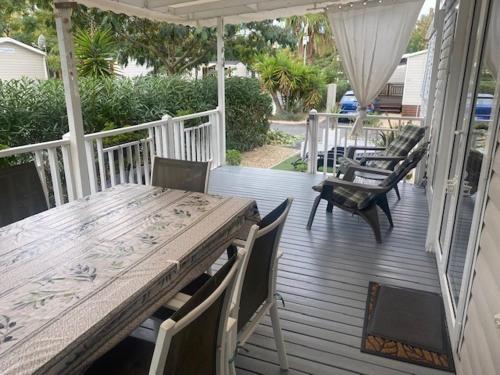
(325, 146)
(188, 144)
(138, 169)
(147, 174)
(131, 165)
(335, 136)
(158, 144)
(198, 144)
(68, 173)
(89, 146)
(183, 140)
(56, 178)
(41, 171)
(112, 171)
(100, 158)
(121, 165)
(193, 146)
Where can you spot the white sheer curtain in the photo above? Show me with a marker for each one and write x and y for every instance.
(492, 54)
(371, 37)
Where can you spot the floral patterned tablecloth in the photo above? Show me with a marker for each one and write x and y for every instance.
(77, 279)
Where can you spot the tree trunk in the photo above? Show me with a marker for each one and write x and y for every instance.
(276, 100)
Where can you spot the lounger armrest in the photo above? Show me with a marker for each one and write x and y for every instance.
(375, 189)
(386, 158)
(360, 168)
(239, 243)
(351, 150)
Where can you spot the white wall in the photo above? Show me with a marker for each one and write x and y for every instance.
(17, 62)
(415, 72)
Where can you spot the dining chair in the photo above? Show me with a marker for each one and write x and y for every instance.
(190, 342)
(180, 174)
(255, 291)
(21, 193)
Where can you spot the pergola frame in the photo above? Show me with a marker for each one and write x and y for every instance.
(184, 12)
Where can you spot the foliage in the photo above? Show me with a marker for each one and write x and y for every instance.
(290, 116)
(95, 52)
(278, 137)
(292, 84)
(32, 112)
(316, 28)
(246, 41)
(418, 40)
(233, 157)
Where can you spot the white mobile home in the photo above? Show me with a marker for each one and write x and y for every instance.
(18, 60)
(414, 78)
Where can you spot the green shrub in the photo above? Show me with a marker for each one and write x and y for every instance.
(278, 137)
(233, 157)
(32, 111)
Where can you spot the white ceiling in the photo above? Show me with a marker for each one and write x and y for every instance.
(205, 12)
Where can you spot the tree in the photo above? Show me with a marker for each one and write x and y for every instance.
(316, 28)
(418, 40)
(95, 52)
(292, 84)
(247, 41)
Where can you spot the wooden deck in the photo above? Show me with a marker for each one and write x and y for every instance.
(324, 274)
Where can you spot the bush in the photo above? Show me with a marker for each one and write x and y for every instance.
(32, 111)
(278, 137)
(233, 157)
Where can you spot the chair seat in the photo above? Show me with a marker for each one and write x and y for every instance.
(346, 197)
(132, 356)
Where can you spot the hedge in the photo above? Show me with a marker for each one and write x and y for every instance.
(32, 111)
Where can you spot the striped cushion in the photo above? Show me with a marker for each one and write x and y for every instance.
(403, 143)
(348, 197)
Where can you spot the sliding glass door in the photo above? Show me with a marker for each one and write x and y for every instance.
(468, 167)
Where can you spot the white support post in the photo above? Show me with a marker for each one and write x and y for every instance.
(312, 165)
(221, 90)
(63, 10)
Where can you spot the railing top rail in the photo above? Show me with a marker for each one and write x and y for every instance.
(128, 129)
(381, 117)
(33, 148)
(128, 144)
(194, 115)
(191, 128)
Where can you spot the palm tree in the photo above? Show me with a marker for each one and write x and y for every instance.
(317, 28)
(95, 50)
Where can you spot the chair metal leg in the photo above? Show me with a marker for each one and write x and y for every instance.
(313, 212)
(329, 207)
(384, 206)
(370, 215)
(396, 189)
(278, 337)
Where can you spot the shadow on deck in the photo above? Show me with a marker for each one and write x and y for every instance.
(324, 274)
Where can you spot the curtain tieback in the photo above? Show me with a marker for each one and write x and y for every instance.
(358, 124)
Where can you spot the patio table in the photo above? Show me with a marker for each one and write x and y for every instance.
(77, 279)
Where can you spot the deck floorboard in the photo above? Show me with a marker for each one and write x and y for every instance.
(324, 274)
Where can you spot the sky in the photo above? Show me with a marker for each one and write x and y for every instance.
(427, 6)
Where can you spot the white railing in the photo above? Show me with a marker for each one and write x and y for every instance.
(132, 161)
(328, 136)
(112, 160)
(53, 163)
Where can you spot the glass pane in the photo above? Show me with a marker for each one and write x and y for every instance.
(477, 142)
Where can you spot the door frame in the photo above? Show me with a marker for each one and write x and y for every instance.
(464, 108)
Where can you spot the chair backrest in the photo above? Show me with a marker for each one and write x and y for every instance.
(406, 166)
(21, 193)
(180, 174)
(257, 282)
(191, 341)
(407, 139)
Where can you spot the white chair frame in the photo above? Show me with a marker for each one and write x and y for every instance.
(235, 339)
(169, 328)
